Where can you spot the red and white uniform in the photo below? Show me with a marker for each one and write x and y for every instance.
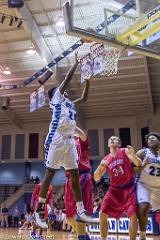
(85, 181)
(35, 197)
(121, 196)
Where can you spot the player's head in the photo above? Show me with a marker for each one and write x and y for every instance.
(152, 139)
(51, 93)
(114, 141)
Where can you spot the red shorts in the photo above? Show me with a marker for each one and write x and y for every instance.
(87, 194)
(158, 217)
(118, 201)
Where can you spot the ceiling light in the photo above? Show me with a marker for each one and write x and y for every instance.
(2, 18)
(60, 22)
(31, 50)
(20, 23)
(11, 21)
(7, 71)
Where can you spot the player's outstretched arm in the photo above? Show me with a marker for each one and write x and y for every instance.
(132, 156)
(68, 76)
(84, 95)
(100, 171)
(82, 134)
(144, 162)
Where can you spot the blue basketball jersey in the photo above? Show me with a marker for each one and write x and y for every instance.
(150, 175)
(63, 121)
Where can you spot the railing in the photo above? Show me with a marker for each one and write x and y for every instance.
(26, 188)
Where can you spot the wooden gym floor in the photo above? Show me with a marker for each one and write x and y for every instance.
(10, 234)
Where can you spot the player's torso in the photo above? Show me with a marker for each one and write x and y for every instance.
(63, 116)
(119, 168)
(150, 175)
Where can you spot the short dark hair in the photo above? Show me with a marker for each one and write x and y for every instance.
(51, 92)
(156, 134)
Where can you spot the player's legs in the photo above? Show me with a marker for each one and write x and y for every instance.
(76, 189)
(39, 214)
(143, 198)
(103, 225)
(41, 237)
(81, 230)
(53, 159)
(33, 233)
(133, 228)
(70, 164)
(72, 223)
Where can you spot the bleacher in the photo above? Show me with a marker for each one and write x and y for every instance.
(6, 190)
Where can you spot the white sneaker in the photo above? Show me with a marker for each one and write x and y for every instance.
(40, 221)
(84, 218)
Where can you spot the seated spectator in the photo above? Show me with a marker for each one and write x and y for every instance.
(32, 179)
(36, 180)
(28, 221)
(51, 219)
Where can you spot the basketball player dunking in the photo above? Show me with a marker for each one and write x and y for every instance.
(85, 182)
(60, 146)
(148, 181)
(121, 196)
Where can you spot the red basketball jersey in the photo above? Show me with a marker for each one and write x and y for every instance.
(119, 168)
(83, 155)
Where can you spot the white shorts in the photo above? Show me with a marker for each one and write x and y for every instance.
(148, 194)
(62, 154)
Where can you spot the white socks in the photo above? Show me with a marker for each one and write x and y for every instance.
(80, 207)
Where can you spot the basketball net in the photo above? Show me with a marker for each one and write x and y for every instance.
(109, 58)
(102, 60)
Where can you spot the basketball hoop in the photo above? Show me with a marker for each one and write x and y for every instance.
(106, 57)
(111, 59)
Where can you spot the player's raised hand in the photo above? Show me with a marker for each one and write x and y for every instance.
(130, 150)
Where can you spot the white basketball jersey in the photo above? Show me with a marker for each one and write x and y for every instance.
(150, 175)
(63, 117)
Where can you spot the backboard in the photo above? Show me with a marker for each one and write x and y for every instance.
(114, 22)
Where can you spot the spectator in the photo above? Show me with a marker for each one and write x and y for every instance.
(15, 189)
(16, 214)
(51, 219)
(36, 180)
(4, 212)
(28, 221)
(32, 179)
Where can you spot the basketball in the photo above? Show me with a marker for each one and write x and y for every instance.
(87, 40)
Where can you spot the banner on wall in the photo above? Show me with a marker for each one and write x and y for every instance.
(120, 226)
(33, 101)
(41, 97)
